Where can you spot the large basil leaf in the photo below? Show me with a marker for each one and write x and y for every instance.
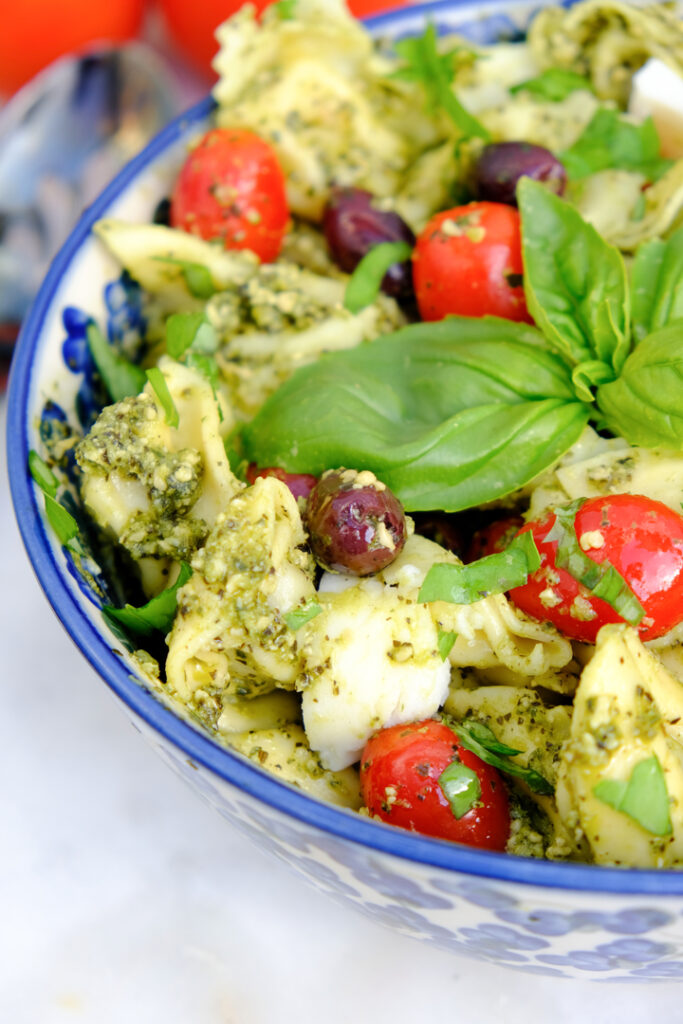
(644, 404)
(610, 141)
(448, 415)
(657, 284)
(575, 283)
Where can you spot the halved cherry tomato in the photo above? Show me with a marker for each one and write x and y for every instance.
(468, 261)
(492, 539)
(231, 187)
(641, 538)
(399, 773)
(300, 484)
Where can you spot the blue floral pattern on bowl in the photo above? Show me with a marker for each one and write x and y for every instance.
(541, 918)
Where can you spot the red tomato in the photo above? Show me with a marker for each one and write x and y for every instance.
(300, 484)
(232, 187)
(641, 538)
(468, 261)
(36, 32)
(192, 26)
(492, 539)
(399, 773)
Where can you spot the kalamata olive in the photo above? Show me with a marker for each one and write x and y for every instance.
(162, 212)
(502, 164)
(355, 523)
(300, 484)
(353, 224)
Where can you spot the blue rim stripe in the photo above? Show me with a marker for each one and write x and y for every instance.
(198, 746)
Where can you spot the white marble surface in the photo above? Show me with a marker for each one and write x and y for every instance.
(125, 900)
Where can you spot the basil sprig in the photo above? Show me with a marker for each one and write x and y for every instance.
(157, 615)
(481, 740)
(423, 63)
(601, 578)
(492, 574)
(657, 284)
(643, 797)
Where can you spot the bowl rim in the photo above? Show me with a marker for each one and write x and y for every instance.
(200, 747)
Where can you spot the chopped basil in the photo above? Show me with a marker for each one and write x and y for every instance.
(644, 797)
(61, 521)
(424, 63)
(156, 615)
(554, 84)
(189, 330)
(445, 640)
(197, 277)
(481, 741)
(493, 574)
(42, 474)
(285, 9)
(461, 787)
(158, 382)
(120, 377)
(300, 616)
(601, 578)
(366, 281)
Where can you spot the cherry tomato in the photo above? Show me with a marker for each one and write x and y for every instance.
(492, 539)
(399, 773)
(232, 187)
(192, 26)
(641, 538)
(468, 261)
(37, 32)
(300, 484)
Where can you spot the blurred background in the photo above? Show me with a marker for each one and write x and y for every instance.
(83, 86)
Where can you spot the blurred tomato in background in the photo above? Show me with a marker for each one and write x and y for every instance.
(36, 32)
(191, 23)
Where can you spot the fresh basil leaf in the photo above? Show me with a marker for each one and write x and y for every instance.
(468, 738)
(300, 616)
(157, 615)
(644, 404)
(492, 574)
(657, 284)
(197, 277)
(42, 474)
(461, 787)
(611, 141)
(486, 736)
(445, 640)
(554, 84)
(575, 282)
(588, 375)
(64, 525)
(158, 382)
(601, 578)
(120, 377)
(643, 798)
(189, 330)
(447, 415)
(434, 70)
(366, 281)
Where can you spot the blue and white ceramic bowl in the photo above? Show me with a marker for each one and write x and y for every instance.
(562, 920)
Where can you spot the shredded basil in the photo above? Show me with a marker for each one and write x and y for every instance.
(423, 63)
(445, 640)
(461, 787)
(366, 281)
(61, 521)
(554, 84)
(300, 616)
(157, 615)
(609, 140)
(601, 578)
(120, 377)
(644, 797)
(492, 574)
(189, 330)
(158, 382)
(197, 277)
(42, 474)
(481, 741)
